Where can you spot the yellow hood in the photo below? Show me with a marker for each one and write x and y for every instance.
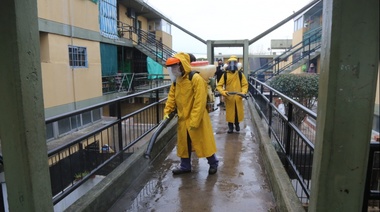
(185, 61)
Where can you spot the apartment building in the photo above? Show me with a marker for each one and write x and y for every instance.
(307, 42)
(86, 45)
(307, 39)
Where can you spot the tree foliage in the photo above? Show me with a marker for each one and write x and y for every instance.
(300, 87)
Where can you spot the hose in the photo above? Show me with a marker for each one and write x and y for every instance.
(245, 96)
(157, 132)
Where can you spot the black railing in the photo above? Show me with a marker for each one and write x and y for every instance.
(147, 41)
(293, 135)
(100, 150)
(372, 184)
(132, 82)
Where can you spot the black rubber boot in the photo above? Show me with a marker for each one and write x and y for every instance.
(237, 127)
(180, 171)
(230, 128)
(212, 170)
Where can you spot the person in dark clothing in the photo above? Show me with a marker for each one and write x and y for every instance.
(218, 74)
(192, 57)
(219, 70)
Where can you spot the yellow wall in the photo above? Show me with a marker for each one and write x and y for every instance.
(166, 38)
(83, 14)
(123, 17)
(297, 38)
(144, 23)
(61, 83)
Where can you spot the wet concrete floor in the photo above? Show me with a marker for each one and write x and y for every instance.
(239, 185)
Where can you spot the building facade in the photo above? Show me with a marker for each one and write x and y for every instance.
(86, 49)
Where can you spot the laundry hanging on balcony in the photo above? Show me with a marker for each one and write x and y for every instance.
(154, 69)
(108, 18)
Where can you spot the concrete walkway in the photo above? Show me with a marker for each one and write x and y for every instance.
(239, 185)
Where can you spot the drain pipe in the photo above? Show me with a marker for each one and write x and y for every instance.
(156, 133)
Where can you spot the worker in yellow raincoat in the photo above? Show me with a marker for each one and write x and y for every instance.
(194, 130)
(233, 80)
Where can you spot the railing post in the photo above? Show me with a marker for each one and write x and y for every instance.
(156, 55)
(270, 112)
(278, 67)
(119, 128)
(250, 85)
(130, 32)
(309, 52)
(82, 157)
(157, 106)
(287, 134)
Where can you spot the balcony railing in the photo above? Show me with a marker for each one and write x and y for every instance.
(133, 82)
(100, 149)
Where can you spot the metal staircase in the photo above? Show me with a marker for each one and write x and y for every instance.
(301, 53)
(147, 43)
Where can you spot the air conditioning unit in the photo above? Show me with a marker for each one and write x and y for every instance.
(131, 13)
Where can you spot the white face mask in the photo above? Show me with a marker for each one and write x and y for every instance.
(175, 70)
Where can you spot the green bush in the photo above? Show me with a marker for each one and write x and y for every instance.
(300, 87)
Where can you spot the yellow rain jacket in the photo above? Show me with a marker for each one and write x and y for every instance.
(189, 98)
(233, 84)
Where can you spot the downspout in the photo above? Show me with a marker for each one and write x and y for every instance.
(72, 43)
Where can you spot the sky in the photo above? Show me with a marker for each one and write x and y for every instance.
(227, 20)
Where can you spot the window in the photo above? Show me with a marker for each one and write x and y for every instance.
(71, 124)
(86, 118)
(78, 56)
(298, 24)
(166, 27)
(64, 126)
(49, 131)
(75, 122)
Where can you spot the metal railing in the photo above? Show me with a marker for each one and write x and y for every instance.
(293, 136)
(372, 184)
(132, 82)
(99, 151)
(302, 50)
(147, 41)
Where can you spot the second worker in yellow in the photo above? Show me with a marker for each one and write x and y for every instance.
(233, 81)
